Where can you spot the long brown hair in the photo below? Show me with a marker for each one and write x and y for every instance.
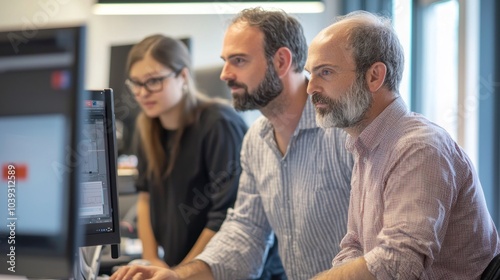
(173, 54)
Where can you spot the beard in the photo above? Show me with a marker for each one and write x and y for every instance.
(348, 111)
(266, 91)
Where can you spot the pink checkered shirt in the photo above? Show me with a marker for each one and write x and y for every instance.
(417, 208)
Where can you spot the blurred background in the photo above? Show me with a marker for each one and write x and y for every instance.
(452, 51)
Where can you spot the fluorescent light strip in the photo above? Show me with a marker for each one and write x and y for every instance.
(212, 8)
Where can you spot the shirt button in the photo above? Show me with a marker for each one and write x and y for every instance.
(365, 160)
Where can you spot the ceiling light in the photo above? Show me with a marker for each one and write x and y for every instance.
(204, 8)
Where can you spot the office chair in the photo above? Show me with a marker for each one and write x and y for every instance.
(492, 271)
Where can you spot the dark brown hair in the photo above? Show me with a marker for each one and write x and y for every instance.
(173, 54)
(280, 30)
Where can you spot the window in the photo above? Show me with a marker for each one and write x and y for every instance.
(440, 64)
(450, 75)
(401, 12)
(440, 39)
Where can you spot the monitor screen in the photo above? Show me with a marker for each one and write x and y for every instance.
(99, 196)
(41, 78)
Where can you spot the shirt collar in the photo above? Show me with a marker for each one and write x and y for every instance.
(373, 134)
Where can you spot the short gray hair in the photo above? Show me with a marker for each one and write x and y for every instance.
(373, 39)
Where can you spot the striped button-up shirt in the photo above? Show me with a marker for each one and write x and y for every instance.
(302, 197)
(417, 208)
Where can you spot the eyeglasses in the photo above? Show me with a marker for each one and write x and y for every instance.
(152, 85)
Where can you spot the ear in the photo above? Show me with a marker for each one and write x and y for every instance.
(184, 74)
(282, 61)
(375, 76)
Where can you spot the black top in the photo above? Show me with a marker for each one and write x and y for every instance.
(203, 182)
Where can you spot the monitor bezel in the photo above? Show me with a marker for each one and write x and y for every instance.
(52, 256)
(113, 237)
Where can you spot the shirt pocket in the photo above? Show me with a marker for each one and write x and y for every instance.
(328, 177)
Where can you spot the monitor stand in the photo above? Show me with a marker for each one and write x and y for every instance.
(87, 263)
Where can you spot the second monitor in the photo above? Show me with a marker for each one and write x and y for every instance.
(99, 196)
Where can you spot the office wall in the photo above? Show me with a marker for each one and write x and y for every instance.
(206, 31)
(30, 15)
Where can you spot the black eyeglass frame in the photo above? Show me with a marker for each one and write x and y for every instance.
(134, 87)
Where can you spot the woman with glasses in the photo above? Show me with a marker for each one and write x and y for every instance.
(188, 152)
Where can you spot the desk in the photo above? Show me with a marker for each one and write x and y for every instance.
(130, 248)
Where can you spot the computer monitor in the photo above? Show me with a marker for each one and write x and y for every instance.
(99, 197)
(41, 89)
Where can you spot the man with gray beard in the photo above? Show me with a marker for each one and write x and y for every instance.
(295, 180)
(417, 209)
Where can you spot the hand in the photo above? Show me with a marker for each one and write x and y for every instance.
(159, 262)
(138, 272)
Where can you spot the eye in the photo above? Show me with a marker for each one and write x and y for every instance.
(237, 60)
(153, 81)
(324, 72)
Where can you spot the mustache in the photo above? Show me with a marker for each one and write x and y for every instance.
(233, 83)
(317, 98)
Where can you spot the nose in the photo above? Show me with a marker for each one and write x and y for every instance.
(226, 74)
(312, 86)
(142, 91)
